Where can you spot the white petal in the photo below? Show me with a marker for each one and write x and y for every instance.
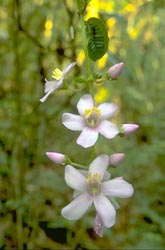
(114, 203)
(99, 165)
(107, 110)
(106, 176)
(43, 99)
(83, 172)
(74, 178)
(87, 138)
(68, 68)
(76, 193)
(77, 208)
(73, 122)
(98, 225)
(85, 102)
(117, 188)
(51, 85)
(105, 210)
(108, 129)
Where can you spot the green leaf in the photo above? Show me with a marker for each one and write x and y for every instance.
(97, 38)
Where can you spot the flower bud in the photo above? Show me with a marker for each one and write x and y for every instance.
(116, 159)
(56, 157)
(115, 71)
(129, 128)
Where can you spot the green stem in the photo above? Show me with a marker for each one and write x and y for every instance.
(84, 42)
(78, 165)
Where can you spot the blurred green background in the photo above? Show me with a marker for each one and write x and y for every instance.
(34, 39)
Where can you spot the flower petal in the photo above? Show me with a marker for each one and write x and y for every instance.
(51, 85)
(85, 102)
(76, 193)
(68, 68)
(43, 99)
(83, 172)
(99, 165)
(105, 210)
(114, 203)
(87, 138)
(77, 208)
(117, 188)
(98, 225)
(74, 178)
(73, 122)
(108, 129)
(106, 176)
(107, 110)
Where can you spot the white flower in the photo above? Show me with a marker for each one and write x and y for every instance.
(59, 75)
(92, 187)
(91, 121)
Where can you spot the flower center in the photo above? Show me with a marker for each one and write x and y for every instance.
(92, 116)
(57, 74)
(93, 184)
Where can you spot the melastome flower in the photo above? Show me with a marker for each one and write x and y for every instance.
(92, 187)
(59, 75)
(91, 121)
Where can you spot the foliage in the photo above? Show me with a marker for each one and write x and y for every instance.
(98, 38)
(35, 38)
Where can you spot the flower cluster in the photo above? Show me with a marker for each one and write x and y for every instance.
(92, 185)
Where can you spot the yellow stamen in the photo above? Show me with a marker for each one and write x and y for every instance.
(93, 181)
(92, 116)
(88, 112)
(57, 74)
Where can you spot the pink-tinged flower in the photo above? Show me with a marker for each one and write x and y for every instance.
(56, 157)
(92, 187)
(129, 128)
(59, 75)
(116, 159)
(91, 121)
(115, 71)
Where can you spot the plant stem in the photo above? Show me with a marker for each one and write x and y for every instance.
(78, 165)
(84, 42)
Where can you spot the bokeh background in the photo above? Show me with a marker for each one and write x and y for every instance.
(34, 39)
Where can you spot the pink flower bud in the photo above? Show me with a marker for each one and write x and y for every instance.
(116, 159)
(129, 128)
(56, 157)
(115, 71)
